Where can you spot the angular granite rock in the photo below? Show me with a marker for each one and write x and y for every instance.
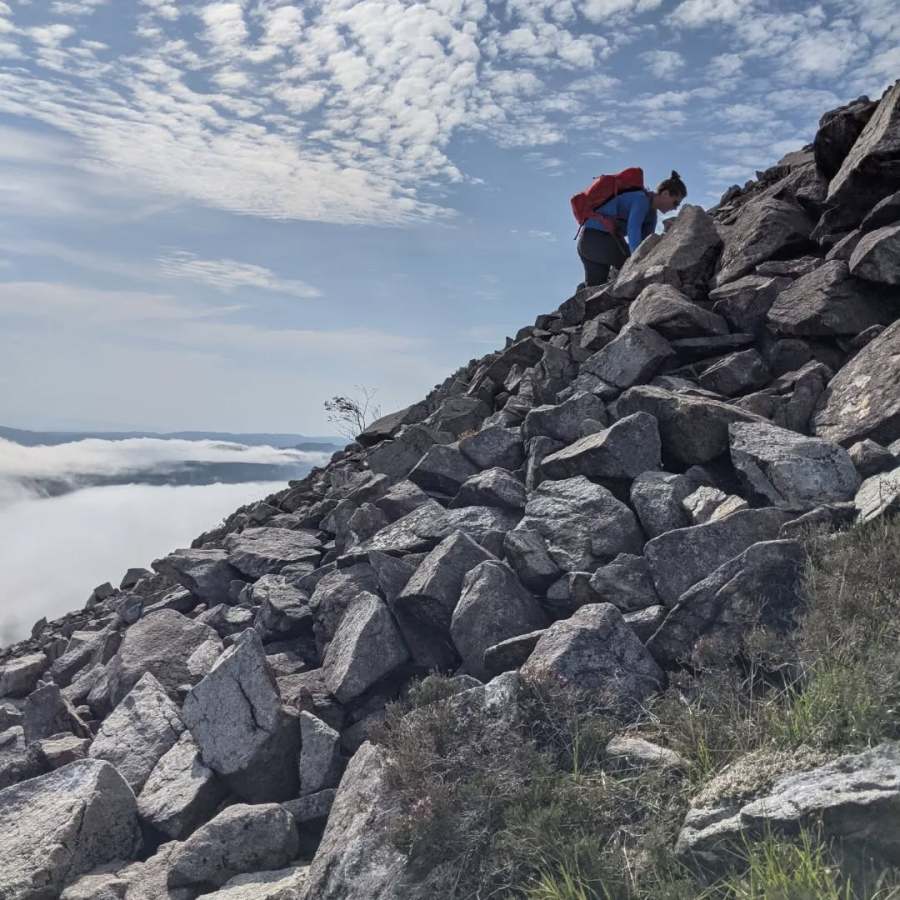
(266, 551)
(782, 467)
(670, 313)
(863, 399)
(876, 257)
(679, 559)
(493, 607)
(583, 524)
(236, 718)
(62, 825)
(634, 357)
(139, 732)
(596, 652)
(207, 574)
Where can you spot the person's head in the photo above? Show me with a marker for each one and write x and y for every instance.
(669, 193)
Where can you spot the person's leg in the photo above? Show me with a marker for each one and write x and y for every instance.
(599, 252)
(594, 273)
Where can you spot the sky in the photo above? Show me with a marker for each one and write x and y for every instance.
(217, 215)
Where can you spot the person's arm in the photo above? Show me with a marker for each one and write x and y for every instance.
(640, 204)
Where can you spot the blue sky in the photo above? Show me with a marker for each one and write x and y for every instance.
(217, 215)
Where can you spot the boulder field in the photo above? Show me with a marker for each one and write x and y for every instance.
(625, 479)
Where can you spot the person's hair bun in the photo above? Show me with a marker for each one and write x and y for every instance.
(676, 175)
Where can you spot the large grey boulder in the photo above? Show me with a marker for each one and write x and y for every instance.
(863, 399)
(396, 458)
(782, 467)
(634, 357)
(878, 496)
(838, 130)
(401, 499)
(493, 607)
(356, 858)
(62, 825)
(679, 559)
(626, 582)
(387, 426)
(877, 256)
(852, 799)
(657, 498)
(414, 532)
(596, 652)
(621, 452)
(869, 171)
(790, 400)
(760, 587)
(207, 574)
(181, 792)
(564, 422)
(527, 553)
(684, 257)
(764, 228)
(492, 487)
(442, 469)
(277, 884)
(583, 524)
(870, 458)
(745, 302)
(670, 313)
(737, 373)
(266, 551)
(494, 446)
(138, 732)
(244, 734)
(366, 646)
(19, 675)
(693, 429)
(47, 712)
(425, 606)
(829, 302)
(173, 648)
(239, 839)
(335, 594)
(320, 755)
(283, 610)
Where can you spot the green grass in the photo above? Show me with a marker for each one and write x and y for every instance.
(529, 808)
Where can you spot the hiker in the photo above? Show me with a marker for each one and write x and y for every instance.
(630, 213)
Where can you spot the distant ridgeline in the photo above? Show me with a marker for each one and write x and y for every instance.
(293, 441)
(619, 493)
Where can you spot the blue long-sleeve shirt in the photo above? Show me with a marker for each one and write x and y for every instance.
(634, 216)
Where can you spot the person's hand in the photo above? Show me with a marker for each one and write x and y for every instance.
(668, 223)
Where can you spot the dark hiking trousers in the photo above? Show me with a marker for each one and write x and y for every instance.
(599, 252)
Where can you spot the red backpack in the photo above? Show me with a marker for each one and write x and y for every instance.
(602, 189)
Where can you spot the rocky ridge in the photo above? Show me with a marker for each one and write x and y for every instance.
(624, 480)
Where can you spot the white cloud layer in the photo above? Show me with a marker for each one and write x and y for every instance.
(95, 535)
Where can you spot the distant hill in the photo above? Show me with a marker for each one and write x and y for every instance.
(325, 444)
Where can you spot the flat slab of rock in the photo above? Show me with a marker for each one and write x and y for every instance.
(240, 839)
(414, 532)
(863, 399)
(595, 651)
(679, 559)
(266, 551)
(279, 884)
(236, 718)
(854, 798)
(62, 825)
(876, 257)
(878, 496)
(783, 467)
(511, 653)
(583, 524)
(181, 792)
(138, 732)
(442, 469)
